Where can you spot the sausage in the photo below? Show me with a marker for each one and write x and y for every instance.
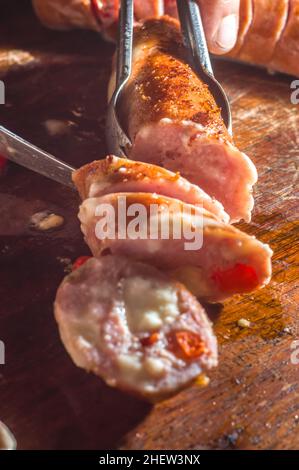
(227, 261)
(268, 34)
(134, 327)
(268, 22)
(286, 53)
(272, 38)
(113, 175)
(173, 120)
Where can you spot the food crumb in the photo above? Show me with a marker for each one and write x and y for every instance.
(67, 263)
(202, 380)
(57, 127)
(243, 323)
(46, 220)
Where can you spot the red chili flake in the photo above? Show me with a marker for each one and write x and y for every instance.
(240, 277)
(150, 340)
(190, 344)
(79, 262)
(3, 164)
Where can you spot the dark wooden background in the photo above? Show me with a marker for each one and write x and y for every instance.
(252, 401)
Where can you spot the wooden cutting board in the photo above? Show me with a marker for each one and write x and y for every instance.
(252, 401)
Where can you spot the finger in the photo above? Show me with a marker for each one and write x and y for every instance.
(221, 23)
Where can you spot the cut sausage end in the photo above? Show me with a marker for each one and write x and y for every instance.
(134, 327)
(204, 159)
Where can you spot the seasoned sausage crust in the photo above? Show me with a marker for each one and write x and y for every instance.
(162, 83)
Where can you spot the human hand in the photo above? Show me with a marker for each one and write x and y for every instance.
(221, 23)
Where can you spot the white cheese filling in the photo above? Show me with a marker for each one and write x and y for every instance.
(149, 305)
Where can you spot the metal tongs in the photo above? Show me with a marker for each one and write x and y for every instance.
(18, 150)
(24, 153)
(195, 42)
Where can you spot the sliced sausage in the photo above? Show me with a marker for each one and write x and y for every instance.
(269, 20)
(134, 327)
(286, 54)
(115, 175)
(216, 260)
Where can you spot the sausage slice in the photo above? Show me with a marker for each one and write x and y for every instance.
(213, 259)
(115, 175)
(134, 327)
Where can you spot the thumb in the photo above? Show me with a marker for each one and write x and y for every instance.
(221, 23)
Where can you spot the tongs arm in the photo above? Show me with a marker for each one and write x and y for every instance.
(195, 42)
(194, 35)
(125, 42)
(20, 151)
(117, 140)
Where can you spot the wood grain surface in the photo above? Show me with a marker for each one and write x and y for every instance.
(252, 401)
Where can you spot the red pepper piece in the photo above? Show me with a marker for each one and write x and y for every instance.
(150, 340)
(79, 262)
(240, 277)
(191, 344)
